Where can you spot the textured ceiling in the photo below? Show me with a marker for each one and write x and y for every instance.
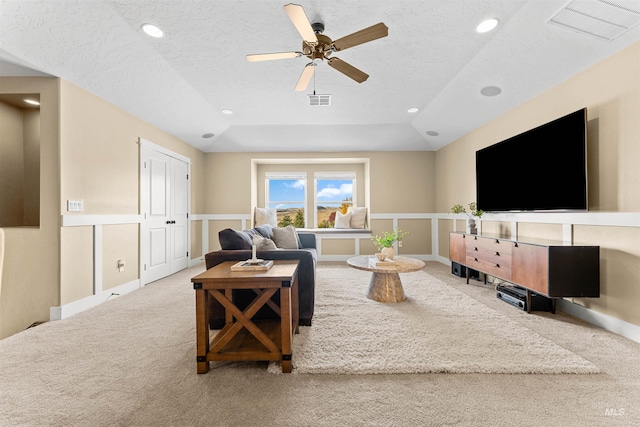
(432, 59)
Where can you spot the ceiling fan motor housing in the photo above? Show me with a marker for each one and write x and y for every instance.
(321, 50)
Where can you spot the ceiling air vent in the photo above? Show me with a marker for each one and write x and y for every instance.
(604, 19)
(319, 100)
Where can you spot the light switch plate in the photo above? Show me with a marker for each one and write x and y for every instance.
(75, 206)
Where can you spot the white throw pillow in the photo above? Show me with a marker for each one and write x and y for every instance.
(265, 216)
(286, 237)
(358, 217)
(264, 244)
(342, 220)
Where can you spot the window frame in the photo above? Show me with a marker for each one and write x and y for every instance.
(282, 176)
(327, 176)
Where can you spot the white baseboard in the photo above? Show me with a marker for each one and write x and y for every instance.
(68, 310)
(196, 261)
(610, 323)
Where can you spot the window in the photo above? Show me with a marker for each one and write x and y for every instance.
(286, 192)
(334, 191)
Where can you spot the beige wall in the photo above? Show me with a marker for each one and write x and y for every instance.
(19, 166)
(11, 166)
(32, 167)
(31, 267)
(611, 92)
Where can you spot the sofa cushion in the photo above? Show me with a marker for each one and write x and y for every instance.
(234, 240)
(286, 237)
(263, 244)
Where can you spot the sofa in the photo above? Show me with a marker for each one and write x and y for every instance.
(237, 246)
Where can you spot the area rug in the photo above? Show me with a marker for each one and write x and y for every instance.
(438, 329)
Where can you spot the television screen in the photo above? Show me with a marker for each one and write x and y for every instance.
(543, 169)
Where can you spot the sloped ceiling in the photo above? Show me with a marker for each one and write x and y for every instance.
(433, 59)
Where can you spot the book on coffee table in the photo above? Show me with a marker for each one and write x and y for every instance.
(250, 265)
(375, 262)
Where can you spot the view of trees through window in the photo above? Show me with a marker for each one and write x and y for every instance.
(287, 194)
(332, 195)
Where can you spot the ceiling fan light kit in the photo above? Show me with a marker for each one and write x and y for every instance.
(317, 46)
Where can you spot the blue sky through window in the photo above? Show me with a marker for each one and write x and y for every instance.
(290, 191)
(334, 190)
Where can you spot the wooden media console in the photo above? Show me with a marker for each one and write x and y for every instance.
(555, 270)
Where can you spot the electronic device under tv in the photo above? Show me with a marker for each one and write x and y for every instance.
(543, 169)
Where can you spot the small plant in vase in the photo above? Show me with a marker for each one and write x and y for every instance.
(385, 242)
(473, 212)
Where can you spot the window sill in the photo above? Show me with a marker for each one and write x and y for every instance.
(336, 230)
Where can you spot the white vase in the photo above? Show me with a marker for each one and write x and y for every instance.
(389, 252)
(472, 226)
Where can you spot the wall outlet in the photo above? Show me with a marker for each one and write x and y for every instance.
(399, 243)
(121, 265)
(75, 206)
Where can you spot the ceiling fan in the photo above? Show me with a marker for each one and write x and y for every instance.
(317, 46)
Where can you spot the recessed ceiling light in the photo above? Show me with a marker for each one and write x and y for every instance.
(412, 110)
(491, 91)
(227, 112)
(487, 25)
(31, 101)
(432, 133)
(208, 135)
(152, 30)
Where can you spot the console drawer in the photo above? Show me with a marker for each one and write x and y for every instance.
(490, 256)
(495, 245)
(496, 269)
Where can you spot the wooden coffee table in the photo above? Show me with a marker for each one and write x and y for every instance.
(242, 338)
(385, 284)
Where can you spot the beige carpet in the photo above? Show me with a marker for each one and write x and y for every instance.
(131, 362)
(436, 330)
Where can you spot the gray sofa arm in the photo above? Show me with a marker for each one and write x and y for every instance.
(308, 240)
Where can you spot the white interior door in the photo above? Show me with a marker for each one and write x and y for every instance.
(179, 228)
(164, 201)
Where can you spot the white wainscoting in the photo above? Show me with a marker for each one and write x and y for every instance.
(567, 219)
(99, 295)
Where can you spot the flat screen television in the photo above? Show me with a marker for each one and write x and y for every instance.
(543, 169)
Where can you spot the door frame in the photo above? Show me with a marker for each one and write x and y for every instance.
(143, 143)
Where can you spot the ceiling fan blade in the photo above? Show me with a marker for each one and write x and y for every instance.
(348, 70)
(301, 22)
(271, 56)
(363, 36)
(305, 77)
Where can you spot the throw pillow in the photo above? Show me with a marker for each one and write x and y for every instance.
(234, 240)
(358, 217)
(342, 220)
(265, 216)
(263, 244)
(265, 231)
(286, 237)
